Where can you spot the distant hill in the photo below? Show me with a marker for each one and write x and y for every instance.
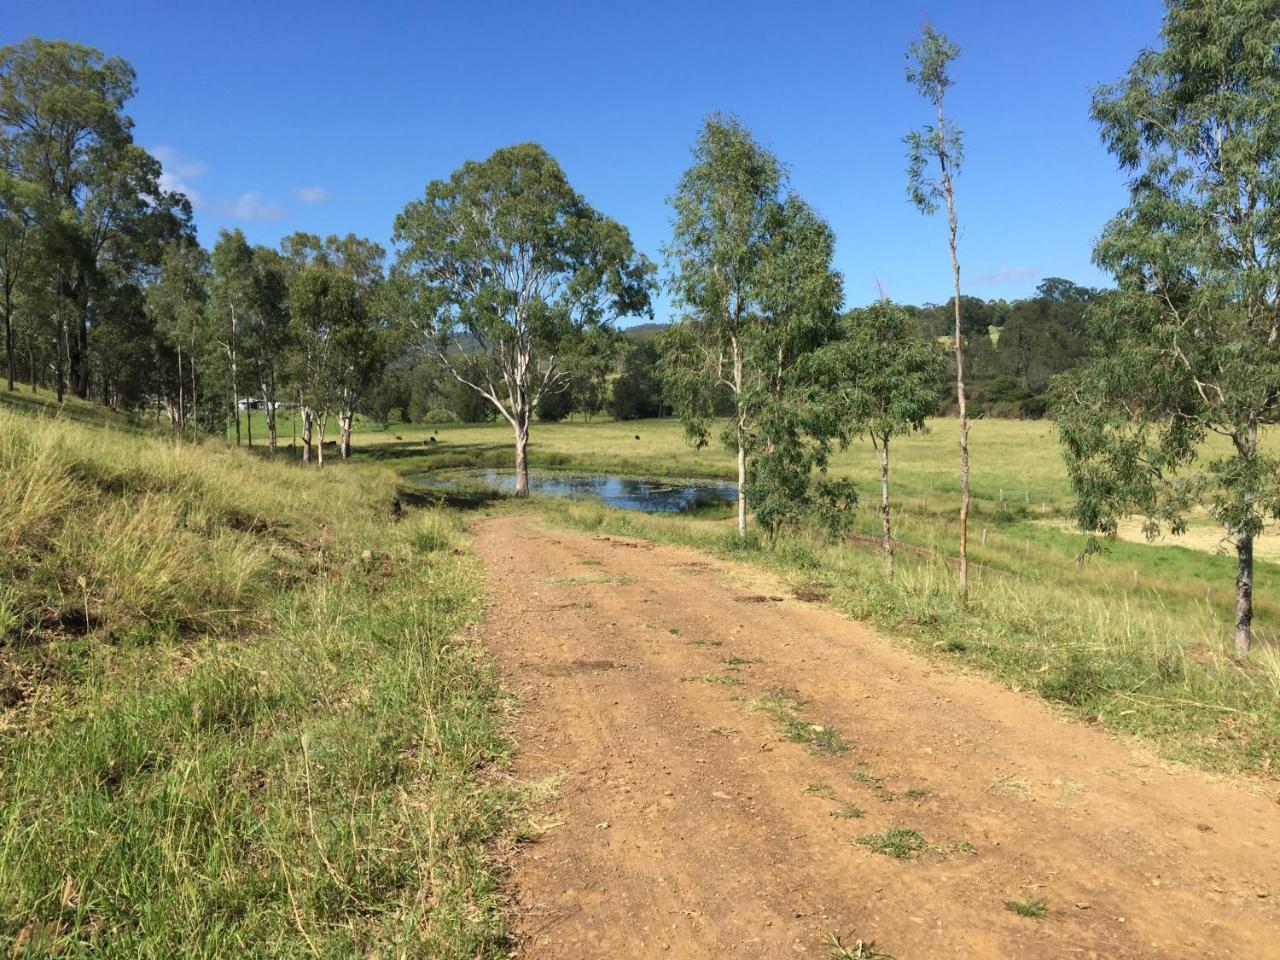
(643, 331)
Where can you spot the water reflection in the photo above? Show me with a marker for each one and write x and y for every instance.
(646, 494)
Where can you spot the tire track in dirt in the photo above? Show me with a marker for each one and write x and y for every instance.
(685, 824)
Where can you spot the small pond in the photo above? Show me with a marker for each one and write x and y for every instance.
(647, 494)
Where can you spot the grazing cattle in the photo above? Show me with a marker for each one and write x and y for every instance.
(398, 437)
(637, 436)
(433, 439)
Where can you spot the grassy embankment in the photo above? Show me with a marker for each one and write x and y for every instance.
(235, 719)
(1138, 638)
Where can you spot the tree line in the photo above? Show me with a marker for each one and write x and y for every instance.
(505, 288)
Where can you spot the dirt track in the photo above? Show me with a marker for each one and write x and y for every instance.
(686, 824)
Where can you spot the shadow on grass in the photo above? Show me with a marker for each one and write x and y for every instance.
(466, 500)
(436, 456)
(44, 404)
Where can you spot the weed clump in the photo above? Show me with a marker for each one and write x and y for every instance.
(901, 844)
(784, 708)
(1036, 909)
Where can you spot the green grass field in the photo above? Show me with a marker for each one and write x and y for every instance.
(235, 717)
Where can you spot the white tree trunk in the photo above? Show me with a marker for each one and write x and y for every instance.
(1244, 593)
(269, 397)
(953, 224)
(182, 410)
(344, 429)
(522, 452)
(742, 440)
(307, 417)
(885, 522)
(742, 489)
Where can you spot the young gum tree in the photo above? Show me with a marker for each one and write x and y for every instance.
(342, 334)
(877, 381)
(1166, 416)
(729, 264)
(19, 247)
(176, 303)
(502, 269)
(269, 330)
(362, 343)
(230, 302)
(934, 154)
(799, 311)
(323, 302)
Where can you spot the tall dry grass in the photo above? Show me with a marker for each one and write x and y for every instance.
(235, 717)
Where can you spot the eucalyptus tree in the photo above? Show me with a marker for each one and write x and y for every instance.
(750, 266)
(19, 245)
(125, 223)
(359, 340)
(934, 154)
(877, 380)
(177, 302)
(1167, 415)
(324, 302)
(799, 306)
(230, 303)
(268, 331)
(503, 269)
(105, 217)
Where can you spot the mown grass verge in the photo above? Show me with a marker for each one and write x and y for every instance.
(1114, 656)
(236, 715)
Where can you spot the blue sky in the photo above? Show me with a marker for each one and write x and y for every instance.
(328, 117)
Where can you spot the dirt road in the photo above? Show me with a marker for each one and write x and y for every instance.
(692, 726)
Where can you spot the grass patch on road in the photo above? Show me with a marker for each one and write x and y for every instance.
(784, 708)
(1036, 909)
(899, 843)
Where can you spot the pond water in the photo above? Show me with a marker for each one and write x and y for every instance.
(646, 494)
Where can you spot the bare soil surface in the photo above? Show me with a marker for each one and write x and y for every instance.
(685, 821)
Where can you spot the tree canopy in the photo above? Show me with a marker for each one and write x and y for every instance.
(502, 268)
(1187, 348)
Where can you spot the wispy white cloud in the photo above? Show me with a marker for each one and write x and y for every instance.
(249, 206)
(311, 195)
(177, 172)
(1004, 275)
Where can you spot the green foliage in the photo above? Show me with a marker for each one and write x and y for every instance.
(1045, 335)
(637, 392)
(725, 205)
(1187, 345)
(1008, 389)
(89, 217)
(554, 405)
(503, 268)
(176, 304)
(928, 62)
(339, 342)
(750, 264)
(877, 379)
